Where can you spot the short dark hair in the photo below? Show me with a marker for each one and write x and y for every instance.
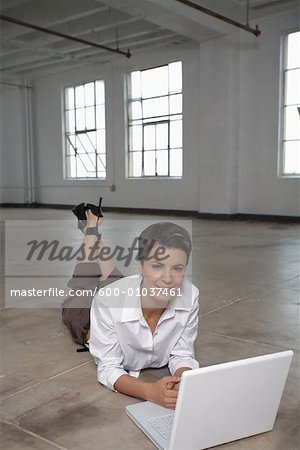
(167, 234)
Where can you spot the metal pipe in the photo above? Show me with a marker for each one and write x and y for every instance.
(247, 13)
(65, 36)
(29, 151)
(254, 31)
(16, 85)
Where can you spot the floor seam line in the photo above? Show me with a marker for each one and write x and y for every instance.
(228, 304)
(247, 340)
(35, 435)
(46, 380)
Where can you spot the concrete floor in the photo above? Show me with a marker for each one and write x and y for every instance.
(248, 274)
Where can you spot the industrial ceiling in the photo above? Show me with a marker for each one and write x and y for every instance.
(130, 26)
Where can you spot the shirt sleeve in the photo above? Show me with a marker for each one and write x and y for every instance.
(182, 354)
(104, 346)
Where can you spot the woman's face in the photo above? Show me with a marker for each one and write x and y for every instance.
(163, 278)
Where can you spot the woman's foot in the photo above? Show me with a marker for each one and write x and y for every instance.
(92, 223)
(89, 216)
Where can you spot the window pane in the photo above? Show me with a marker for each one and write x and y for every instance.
(136, 110)
(135, 79)
(136, 137)
(86, 145)
(90, 118)
(85, 130)
(149, 163)
(100, 94)
(176, 134)
(149, 137)
(175, 104)
(100, 117)
(175, 77)
(79, 145)
(71, 166)
(101, 161)
(71, 145)
(162, 162)
(176, 117)
(176, 162)
(81, 170)
(292, 123)
(79, 96)
(155, 107)
(291, 158)
(293, 57)
(135, 163)
(162, 136)
(89, 94)
(156, 119)
(91, 136)
(69, 98)
(89, 161)
(292, 87)
(80, 119)
(154, 114)
(70, 121)
(155, 82)
(101, 141)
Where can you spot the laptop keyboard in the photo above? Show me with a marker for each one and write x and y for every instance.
(163, 425)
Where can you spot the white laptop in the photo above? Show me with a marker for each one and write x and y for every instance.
(217, 404)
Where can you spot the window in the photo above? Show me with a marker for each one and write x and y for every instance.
(291, 107)
(155, 122)
(85, 149)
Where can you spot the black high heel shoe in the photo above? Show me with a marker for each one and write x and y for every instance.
(96, 210)
(80, 212)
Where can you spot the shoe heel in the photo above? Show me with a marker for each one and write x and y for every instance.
(96, 210)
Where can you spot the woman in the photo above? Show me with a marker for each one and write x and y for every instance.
(147, 320)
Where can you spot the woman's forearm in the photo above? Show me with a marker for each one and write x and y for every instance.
(157, 392)
(180, 371)
(132, 386)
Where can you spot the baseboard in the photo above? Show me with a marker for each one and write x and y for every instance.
(250, 217)
(190, 213)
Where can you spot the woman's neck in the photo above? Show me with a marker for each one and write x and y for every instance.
(152, 317)
(152, 312)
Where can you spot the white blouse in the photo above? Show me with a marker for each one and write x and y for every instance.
(121, 341)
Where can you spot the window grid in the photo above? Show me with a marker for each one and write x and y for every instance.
(85, 155)
(140, 121)
(290, 142)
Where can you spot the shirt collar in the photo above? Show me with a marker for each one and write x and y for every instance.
(132, 307)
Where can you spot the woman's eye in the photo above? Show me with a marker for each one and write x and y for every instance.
(156, 266)
(179, 269)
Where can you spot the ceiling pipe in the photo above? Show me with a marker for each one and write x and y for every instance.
(16, 85)
(65, 36)
(254, 31)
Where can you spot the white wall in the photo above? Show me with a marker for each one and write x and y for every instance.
(218, 123)
(13, 170)
(164, 194)
(261, 190)
(239, 121)
(231, 100)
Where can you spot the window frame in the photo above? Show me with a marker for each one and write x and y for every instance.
(282, 96)
(151, 121)
(66, 177)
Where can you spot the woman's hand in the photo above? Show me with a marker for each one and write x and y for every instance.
(174, 386)
(161, 393)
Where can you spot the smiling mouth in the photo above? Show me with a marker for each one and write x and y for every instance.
(165, 287)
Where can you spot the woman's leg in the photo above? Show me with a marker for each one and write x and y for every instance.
(90, 274)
